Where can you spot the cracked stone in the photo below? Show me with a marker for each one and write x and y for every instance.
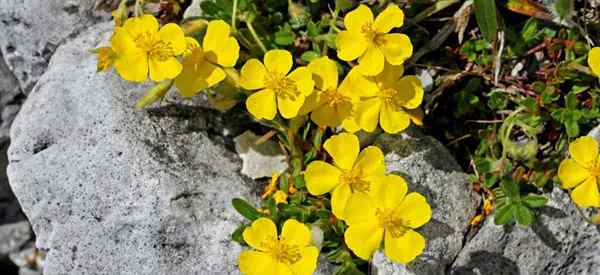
(259, 161)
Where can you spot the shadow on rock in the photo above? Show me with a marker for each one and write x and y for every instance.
(483, 262)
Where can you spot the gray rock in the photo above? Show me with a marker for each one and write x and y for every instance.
(559, 242)
(113, 190)
(13, 236)
(30, 31)
(259, 161)
(11, 99)
(193, 10)
(429, 169)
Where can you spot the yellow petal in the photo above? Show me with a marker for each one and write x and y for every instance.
(294, 232)
(594, 60)
(359, 17)
(325, 116)
(260, 232)
(396, 48)
(414, 210)
(404, 248)
(363, 239)
(349, 124)
(256, 263)
(584, 150)
(303, 78)
(197, 74)
(279, 61)
(122, 43)
(216, 32)
(371, 163)
(343, 148)
(571, 173)
(262, 104)
(190, 44)
(252, 75)
(359, 85)
(339, 200)
(289, 107)
(171, 33)
(321, 177)
(282, 269)
(371, 62)
(393, 191)
(416, 116)
(308, 263)
(132, 67)
(310, 103)
(411, 86)
(587, 194)
(161, 70)
(145, 24)
(350, 45)
(390, 75)
(220, 48)
(361, 209)
(367, 114)
(391, 17)
(393, 121)
(325, 73)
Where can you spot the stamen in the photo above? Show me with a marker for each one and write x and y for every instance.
(155, 48)
(284, 87)
(391, 223)
(355, 180)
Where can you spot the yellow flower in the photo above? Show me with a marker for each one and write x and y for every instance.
(581, 172)
(388, 100)
(289, 254)
(352, 172)
(271, 187)
(389, 215)
(106, 58)
(277, 88)
(142, 48)
(594, 60)
(280, 197)
(190, 44)
(370, 41)
(202, 65)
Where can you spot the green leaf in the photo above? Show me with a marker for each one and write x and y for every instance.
(245, 209)
(485, 13)
(535, 201)
(343, 4)
(571, 101)
(284, 37)
(503, 215)
(309, 56)
(498, 100)
(564, 8)
(523, 215)
(510, 188)
(154, 94)
(237, 235)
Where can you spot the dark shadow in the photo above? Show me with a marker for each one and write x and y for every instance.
(487, 263)
(546, 236)
(552, 212)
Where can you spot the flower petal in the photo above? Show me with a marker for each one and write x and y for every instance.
(326, 116)
(282, 269)
(262, 104)
(412, 87)
(587, 194)
(261, 231)
(343, 148)
(140, 25)
(289, 107)
(173, 34)
(594, 60)
(414, 210)
(367, 114)
(358, 18)
(359, 85)
(364, 239)
(572, 173)
(339, 200)
(392, 192)
(350, 45)
(279, 61)
(303, 78)
(371, 62)
(584, 150)
(391, 17)
(197, 74)
(296, 233)
(122, 42)
(349, 124)
(404, 248)
(360, 209)
(321, 177)
(396, 48)
(325, 73)
(393, 121)
(308, 263)
(390, 75)
(220, 48)
(252, 75)
(216, 32)
(371, 163)
(256, 263)
(311, 102)
(161, 70)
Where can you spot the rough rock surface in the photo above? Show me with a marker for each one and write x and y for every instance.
(429, 169)
(112, 190)
(259, 161)
(30, 31)
(559, 242)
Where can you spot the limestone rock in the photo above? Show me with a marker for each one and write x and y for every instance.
(259, 161)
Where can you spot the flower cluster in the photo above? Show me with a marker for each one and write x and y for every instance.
(580, 172)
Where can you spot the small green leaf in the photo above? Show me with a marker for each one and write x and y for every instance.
(571, 101)
(503, 215)
(154, 94)
(485, 13)
(343, 4)
(523, 215)
(284, 37)
(498, 100)
(564, 8)
(238, 234)
(510, 188)
(309, 56)
(535, 201)
(245, 209)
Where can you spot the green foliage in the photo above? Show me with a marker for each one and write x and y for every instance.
(511, 206)
(486, 15)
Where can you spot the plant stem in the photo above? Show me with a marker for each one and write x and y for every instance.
(332, 27)
(138, 9)
(234, 14)
(255, 36)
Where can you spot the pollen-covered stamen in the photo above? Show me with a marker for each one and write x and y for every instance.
(355, 180)
(282, 251)
(155, 47)
(392, 98)
(334, 98)
(391, 223)
(595, 169)
(283, 86)
(371, 35)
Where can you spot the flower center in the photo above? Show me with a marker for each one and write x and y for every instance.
(284, 252)
(595, 169)
(371, 35)
(155, 47)
(391, 223)
(355, 180)
(392, 98)
(333, 97)
(282, 86)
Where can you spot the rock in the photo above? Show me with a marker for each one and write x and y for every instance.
(30, 31)
(11, 99)
(13, 236)
(559, 242)
(259, 161)
(193, 10)
(429, 169)
(113, 190)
